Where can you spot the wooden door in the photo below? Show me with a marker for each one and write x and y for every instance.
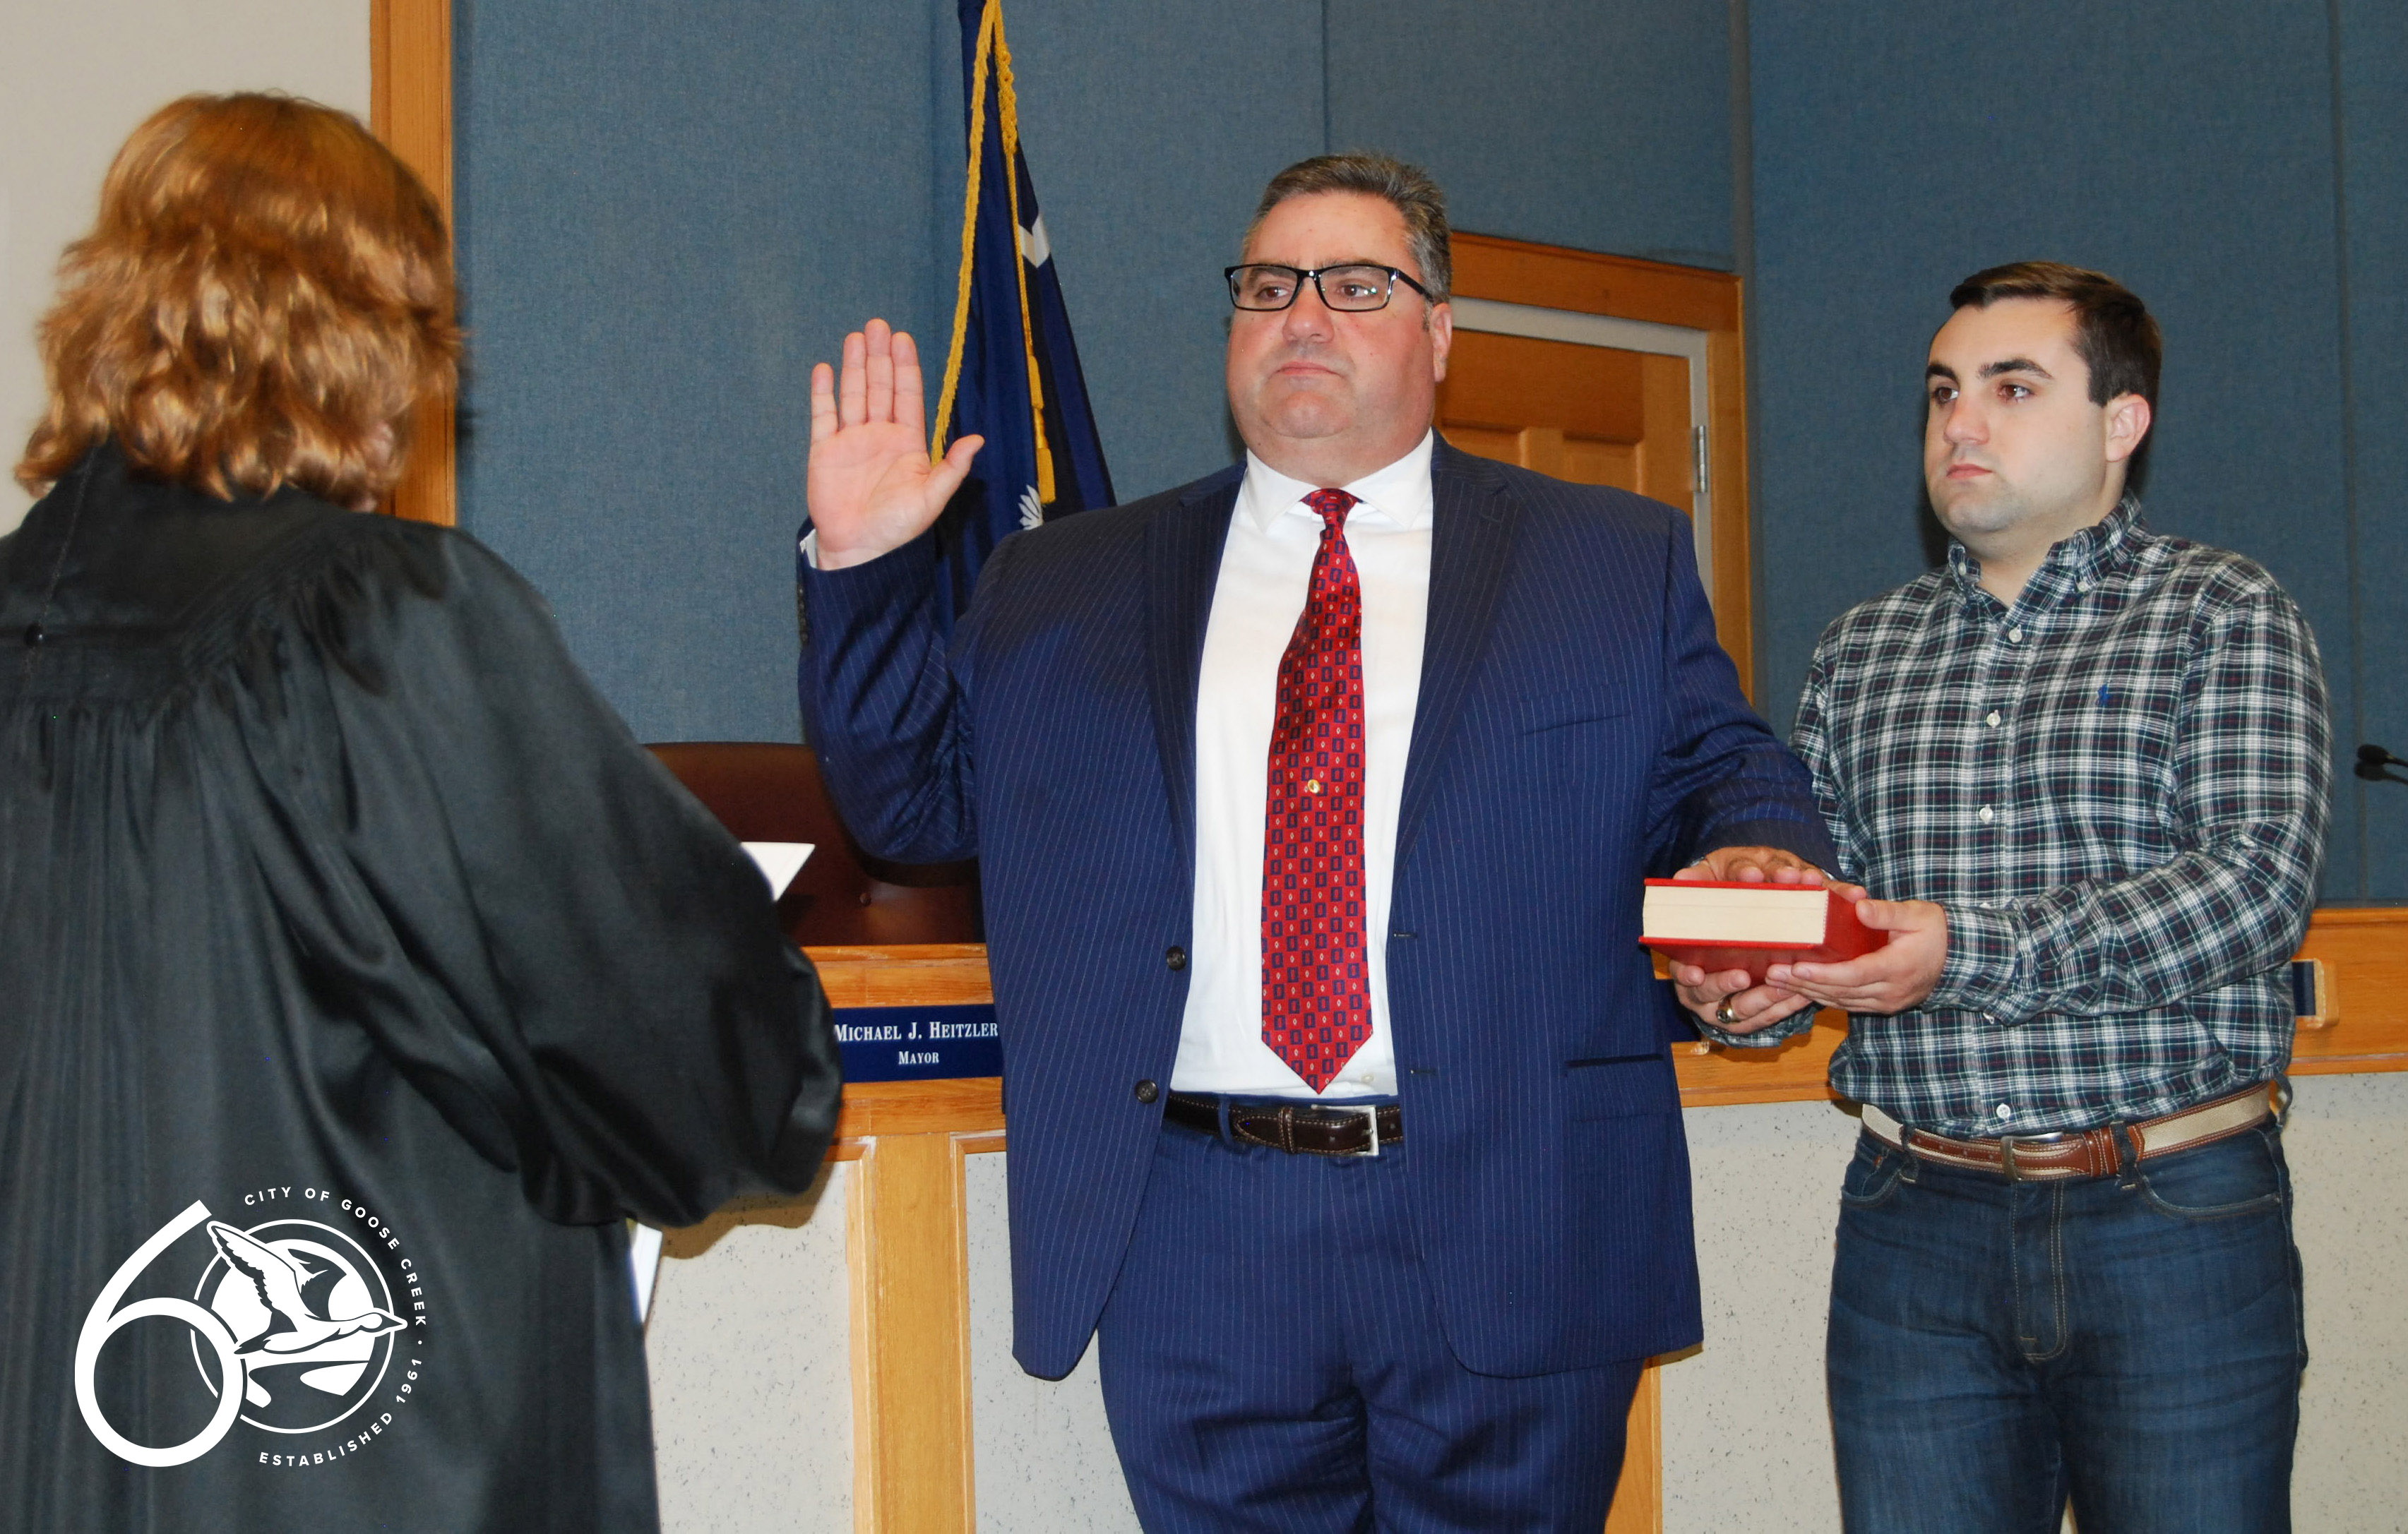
(1623, 412)
(1593, 415)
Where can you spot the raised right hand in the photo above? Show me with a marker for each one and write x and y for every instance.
(869, 485)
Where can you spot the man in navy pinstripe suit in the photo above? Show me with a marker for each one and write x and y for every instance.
(1376, 1223)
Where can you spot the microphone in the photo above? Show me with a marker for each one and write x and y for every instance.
(2373, 760)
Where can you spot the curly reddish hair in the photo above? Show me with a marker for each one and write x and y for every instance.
(265, 297)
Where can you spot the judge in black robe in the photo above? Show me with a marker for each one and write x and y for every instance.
(358, 973)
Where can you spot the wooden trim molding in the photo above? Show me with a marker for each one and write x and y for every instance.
(409, 96)
(1638, 1506)
(1553, 276)
(907, 1251)
(2364, 948)
(2365, 953)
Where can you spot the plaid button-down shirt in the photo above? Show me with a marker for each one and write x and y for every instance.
(2118, 790)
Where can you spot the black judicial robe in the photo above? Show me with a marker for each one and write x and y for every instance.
(358, 971)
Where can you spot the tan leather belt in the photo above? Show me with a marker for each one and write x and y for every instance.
(2080, 1153)
(1299, 1128)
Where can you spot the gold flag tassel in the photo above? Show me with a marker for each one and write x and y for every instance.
(991, 44)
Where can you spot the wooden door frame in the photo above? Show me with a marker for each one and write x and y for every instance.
(1553, 276)
(410, 109)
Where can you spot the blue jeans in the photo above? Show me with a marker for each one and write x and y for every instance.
(2132, 1341)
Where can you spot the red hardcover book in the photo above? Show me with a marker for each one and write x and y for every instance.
(1720, 926)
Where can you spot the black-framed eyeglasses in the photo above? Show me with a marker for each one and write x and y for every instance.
(1355, 288)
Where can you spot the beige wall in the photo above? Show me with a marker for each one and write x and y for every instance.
(752, 1369)
(76, 76)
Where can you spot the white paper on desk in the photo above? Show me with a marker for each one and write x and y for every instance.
(779, 861)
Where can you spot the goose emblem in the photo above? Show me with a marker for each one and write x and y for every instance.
(286, 1304)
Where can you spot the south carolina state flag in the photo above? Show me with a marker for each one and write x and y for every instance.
(1013, 374)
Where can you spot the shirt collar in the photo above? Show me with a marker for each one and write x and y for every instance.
(1398, 495)
(2072, 564)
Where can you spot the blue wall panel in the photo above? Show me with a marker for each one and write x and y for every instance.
(1605, 126)
(667, 221)
(2188, 150)
(2373, 58)
(1150, 131)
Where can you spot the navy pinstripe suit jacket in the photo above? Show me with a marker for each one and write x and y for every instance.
(1578, 728)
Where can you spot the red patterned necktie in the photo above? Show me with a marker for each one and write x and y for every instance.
(1316, 979)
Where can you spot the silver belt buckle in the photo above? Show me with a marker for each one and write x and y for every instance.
(1370, 1112)
(2007, 1143)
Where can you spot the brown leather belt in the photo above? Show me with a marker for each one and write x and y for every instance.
(2081, 1153)
(1299, 1128)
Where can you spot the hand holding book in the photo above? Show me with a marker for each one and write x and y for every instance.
(1856, 953)
(1733, 1000)
(1895, 977)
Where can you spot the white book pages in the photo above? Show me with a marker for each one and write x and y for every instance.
(1705, 914)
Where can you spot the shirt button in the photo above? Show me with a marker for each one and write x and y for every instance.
(2015, 636)
(1993, 720)
(1147, 1091)
(2005, 1112)
(1986, 816)
(1175, 956)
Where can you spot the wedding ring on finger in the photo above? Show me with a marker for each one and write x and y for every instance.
(1724, 1015)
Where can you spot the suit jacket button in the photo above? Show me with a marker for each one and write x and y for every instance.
(1175, 956)
(1147, 1091)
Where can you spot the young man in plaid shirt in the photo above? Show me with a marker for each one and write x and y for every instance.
(2085, 768)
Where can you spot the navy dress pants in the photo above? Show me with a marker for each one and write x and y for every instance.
(2133, 1342)
(1272, 1359)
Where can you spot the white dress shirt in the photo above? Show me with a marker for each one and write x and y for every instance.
(1266, 569)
